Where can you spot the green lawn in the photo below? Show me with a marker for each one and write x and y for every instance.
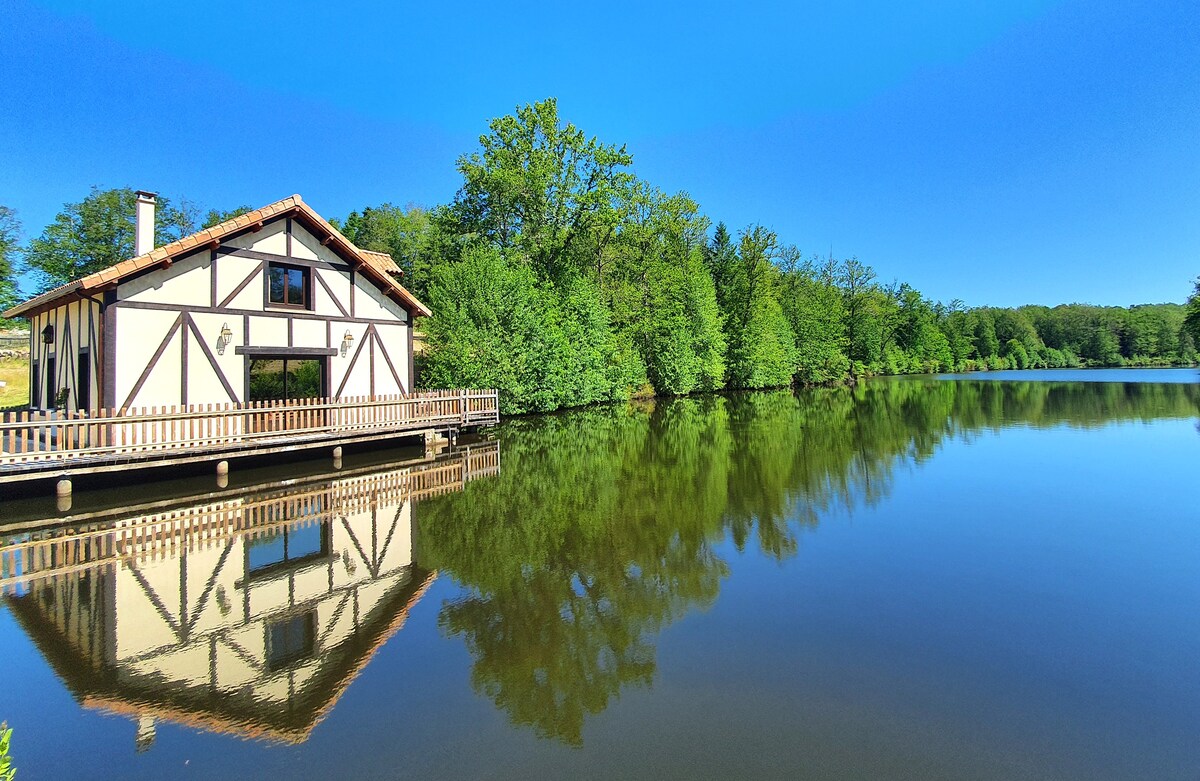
(15, 373)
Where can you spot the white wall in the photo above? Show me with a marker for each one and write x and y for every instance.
(148, 307)
(77, 327)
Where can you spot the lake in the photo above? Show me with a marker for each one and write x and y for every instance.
(993, 576)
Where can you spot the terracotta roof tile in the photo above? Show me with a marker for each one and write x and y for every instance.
(373, 261)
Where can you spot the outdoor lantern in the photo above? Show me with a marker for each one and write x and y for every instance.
(224, 339)
(347, 341)
(48, 334)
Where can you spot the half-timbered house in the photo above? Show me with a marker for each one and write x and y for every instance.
(274, 305)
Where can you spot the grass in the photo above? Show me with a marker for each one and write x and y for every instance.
(14, 372)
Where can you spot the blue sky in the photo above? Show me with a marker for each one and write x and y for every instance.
(1001, 153)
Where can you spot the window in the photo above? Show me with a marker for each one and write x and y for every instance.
(51, 391)
(83, 384)
(290, 640)
(287, 286)
(280, 378)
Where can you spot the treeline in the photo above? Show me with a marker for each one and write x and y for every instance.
(561, 278)
(558, 276)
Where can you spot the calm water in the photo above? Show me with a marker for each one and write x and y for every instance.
(916, 579)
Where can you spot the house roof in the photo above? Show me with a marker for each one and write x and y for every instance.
(377, 265)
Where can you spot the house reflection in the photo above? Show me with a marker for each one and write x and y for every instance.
(248, 612)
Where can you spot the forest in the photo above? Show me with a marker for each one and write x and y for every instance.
(558, 276)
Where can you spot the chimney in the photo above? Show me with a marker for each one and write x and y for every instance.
(143, 240)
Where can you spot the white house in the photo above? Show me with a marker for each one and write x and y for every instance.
(275, 304)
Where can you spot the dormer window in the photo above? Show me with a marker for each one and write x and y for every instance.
(288, 285)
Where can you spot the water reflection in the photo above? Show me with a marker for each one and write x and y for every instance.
(606, 524)
(246, 612)
(249, 612)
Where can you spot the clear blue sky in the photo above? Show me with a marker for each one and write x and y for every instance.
(998, 152)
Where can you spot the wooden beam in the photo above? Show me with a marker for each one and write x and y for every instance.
(256, 227)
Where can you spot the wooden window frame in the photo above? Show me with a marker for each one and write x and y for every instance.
(321, 355)
(35, 384)
(83, 380)
(51, 381)
(305, 272)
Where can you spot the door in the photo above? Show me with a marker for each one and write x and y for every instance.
(284, 382)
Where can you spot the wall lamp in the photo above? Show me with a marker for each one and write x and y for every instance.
(347, 342)
(224, 339)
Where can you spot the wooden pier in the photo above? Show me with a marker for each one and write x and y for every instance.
(41, 445)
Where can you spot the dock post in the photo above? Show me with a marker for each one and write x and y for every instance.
(62, 493)
(222, 474)
(337, 457)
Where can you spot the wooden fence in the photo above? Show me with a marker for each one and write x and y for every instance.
(31, 436)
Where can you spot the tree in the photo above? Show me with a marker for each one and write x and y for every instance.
(864, 324)
(1191, 319)
(761, 345)
(662, 295)
(816, 312)
(495, 325)
(408, 234)
(215, 217)
(10, 236)
(542, 188)
(96, 233)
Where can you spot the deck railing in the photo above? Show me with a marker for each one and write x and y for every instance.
(38, 436)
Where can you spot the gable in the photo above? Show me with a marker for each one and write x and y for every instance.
(270, 230)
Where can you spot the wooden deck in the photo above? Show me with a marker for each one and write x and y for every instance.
(38, 445)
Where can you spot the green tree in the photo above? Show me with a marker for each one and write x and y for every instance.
(10, 238)
(662, 294)
(96, 233)
(816, 311)
(1191, 320)
(215, 217)
(761, 345)
(408, 234)
(864, 323)
(542, 188)
(543, 347)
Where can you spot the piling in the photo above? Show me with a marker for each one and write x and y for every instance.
(62, 493)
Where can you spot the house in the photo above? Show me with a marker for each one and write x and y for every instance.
(273, 305)
(245, 611)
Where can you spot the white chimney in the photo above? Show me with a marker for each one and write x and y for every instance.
(143, 240)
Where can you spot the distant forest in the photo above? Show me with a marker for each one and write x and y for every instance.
(559, 277)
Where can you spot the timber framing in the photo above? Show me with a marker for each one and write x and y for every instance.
(292, 209)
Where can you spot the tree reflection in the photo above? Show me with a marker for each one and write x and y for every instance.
(605, 524)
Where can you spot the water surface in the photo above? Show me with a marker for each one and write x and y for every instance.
(915, 579)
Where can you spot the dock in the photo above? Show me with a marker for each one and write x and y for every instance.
(38, 445)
